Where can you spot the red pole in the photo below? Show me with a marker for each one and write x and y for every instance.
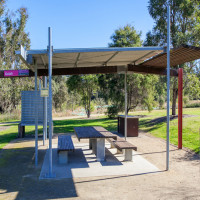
(180, 107)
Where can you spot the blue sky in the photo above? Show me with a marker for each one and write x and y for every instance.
(81, 23)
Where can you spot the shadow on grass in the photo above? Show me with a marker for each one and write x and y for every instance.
(64, 126)
(153, 124)
(149, 125)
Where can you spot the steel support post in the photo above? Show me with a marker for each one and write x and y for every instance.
(168, 85)
(44, 112)
(36, 118)
(50, 175)
(45, 108)
(180, 107)
(125, 93)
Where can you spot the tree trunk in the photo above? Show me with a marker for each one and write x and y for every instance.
(88, 113)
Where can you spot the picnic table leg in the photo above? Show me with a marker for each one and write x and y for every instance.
(94, 145)
(100, 149)
(63, 157)
(90, 143)
(128, 155)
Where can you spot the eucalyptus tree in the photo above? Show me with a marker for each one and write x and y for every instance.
(140, 88)
(85, 86)
(185, 26)
(12, 34)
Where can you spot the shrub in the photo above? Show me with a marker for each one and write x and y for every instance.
(112, 111)
(193, 105)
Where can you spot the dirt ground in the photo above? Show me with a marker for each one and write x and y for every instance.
(19, 177)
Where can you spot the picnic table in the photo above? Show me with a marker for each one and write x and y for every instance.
(96, 136)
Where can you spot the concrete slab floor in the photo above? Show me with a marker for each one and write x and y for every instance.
(83, 163)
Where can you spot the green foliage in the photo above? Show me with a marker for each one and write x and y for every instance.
(12, 34)
(140, 88)
(85, 86)
(59, 90)
(126, 36)
(112, 111)
(185, 24)
(192, 86)
(193, 105)
(183, 20)
(100, 104)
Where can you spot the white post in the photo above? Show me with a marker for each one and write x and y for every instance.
(36, 118)
(125, 92)
(168, 85)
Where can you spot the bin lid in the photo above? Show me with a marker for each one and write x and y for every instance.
(128, 116)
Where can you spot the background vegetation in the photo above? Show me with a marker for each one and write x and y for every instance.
(87, 93)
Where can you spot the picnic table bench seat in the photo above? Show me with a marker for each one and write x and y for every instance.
(121, 145)
(65, 144)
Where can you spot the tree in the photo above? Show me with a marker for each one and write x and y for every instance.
(126, 36)
(184, 28)
(86, 86)
(12, 34)
(59, 90)
(140, 91)
(140, 88)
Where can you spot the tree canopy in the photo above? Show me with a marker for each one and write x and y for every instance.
(85, 86)
(140, 89)
(12, 34)
(185, 26)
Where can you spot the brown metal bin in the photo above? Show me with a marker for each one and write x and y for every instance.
(132, 125)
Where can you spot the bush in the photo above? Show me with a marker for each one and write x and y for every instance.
(193, 105)
(112, 111)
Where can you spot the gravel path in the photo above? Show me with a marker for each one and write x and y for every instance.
(19, 177)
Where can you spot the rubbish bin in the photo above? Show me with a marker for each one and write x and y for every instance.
(132, 125)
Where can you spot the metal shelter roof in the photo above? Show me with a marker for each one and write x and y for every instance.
(94, 57)
(152, 60)
(178, 56)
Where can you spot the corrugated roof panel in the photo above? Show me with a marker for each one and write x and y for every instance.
(178, 56)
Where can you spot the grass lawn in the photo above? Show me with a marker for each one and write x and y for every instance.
(154, 123)
(191, 126)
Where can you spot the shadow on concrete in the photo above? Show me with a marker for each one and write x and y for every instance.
(111, 160)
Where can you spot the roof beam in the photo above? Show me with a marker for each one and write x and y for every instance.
(133, 62)
(106, 62)
(151, 70)
(77, 59)
(106, 70)
(99, 70)
(44, 63)
(79, 70)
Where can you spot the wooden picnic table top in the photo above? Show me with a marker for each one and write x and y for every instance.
(93, 132)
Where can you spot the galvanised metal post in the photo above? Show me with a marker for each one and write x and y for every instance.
(45, 108)
(125, 91)
(168, 85)
(44, 112)
(50, 102)
(36, 118)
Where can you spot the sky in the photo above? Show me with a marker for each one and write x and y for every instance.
(81, 23)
